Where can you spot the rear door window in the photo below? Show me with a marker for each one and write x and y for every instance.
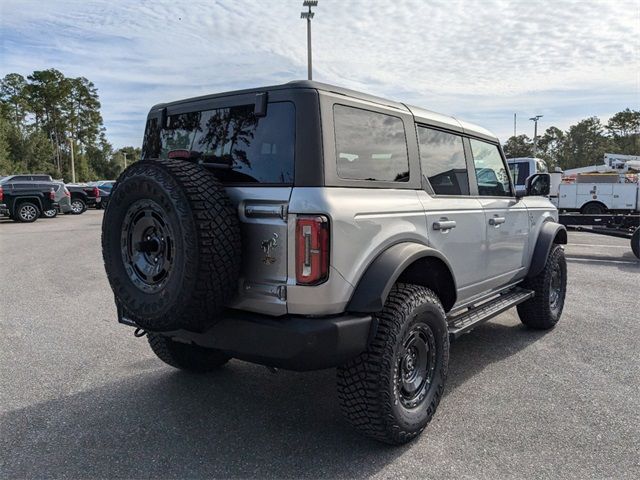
(246, 148)
(491, 173)
(370, 145)
(443, 161)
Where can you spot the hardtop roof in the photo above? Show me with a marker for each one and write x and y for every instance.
(420, 114)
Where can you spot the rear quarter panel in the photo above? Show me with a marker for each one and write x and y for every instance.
(364, 222)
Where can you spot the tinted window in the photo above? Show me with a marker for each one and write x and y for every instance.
(249, 149)
(443, 162)
(519, 172)
(491, 174)
(370, 145)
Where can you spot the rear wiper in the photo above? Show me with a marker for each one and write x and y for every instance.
(199, 158)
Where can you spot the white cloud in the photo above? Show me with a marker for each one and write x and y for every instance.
(482, 60)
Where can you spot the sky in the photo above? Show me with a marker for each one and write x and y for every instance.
(480, 60)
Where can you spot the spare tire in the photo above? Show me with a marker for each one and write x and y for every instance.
(171, 245)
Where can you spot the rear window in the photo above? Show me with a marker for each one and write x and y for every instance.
(370, 145)
(248, 149)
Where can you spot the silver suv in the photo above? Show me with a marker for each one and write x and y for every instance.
(305, 226)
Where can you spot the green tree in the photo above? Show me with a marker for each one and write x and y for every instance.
(520, 146)
(585, 144)
(624, 128)
(6, 166)
(551, 147)
(38, 155)
(47, 92)
(13, 94)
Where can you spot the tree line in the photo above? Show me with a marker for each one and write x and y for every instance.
(47, 116)
(583, 144)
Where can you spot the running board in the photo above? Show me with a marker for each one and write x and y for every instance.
(462, 323)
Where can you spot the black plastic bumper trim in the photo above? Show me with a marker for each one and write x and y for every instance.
(288, 342)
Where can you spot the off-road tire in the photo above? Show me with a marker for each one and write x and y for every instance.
(206, 258)
(540, 312)
(635, 243)
(192, 358)
(368, 390)
(80, 208)
(26, 212)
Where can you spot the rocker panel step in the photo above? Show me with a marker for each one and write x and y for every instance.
(462, 323)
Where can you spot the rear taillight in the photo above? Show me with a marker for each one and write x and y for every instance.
(96, 192)
(52, 194)
(312, 250)
(1, 194)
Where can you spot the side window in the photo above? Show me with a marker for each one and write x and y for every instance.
(491, 173)
(370, 145)
(519, 172)
(443, 161)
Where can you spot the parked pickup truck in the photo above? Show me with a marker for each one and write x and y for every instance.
(24, 201)
(82, 197)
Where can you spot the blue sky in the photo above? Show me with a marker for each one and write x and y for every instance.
(481, 60)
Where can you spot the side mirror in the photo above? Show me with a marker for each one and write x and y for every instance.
(538, 184)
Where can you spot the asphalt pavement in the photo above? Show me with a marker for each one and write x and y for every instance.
(81, 397)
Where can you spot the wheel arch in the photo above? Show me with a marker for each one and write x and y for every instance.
(20, 200)
(407, 262)
(595, 202)
(550, 233)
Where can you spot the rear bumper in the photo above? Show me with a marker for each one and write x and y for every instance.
(289, 342)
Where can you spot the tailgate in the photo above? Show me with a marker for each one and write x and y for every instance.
(263, 221)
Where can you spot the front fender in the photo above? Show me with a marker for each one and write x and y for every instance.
(374, 286)
(550, 233)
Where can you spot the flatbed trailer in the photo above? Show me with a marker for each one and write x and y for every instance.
(612, 225)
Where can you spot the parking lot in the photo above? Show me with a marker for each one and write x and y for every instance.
(82, 397)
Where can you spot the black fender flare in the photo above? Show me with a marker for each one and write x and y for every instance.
(373, 288)
(550, 233)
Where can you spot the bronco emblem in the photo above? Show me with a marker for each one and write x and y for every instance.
(267, 247)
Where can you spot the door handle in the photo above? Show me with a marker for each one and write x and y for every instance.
(497, 221)
(444, 225)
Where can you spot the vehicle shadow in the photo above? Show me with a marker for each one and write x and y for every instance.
(241, 421)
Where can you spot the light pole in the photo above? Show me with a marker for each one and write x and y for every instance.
(535, 132)
(73, 166)
(125, 160)
(308, 15)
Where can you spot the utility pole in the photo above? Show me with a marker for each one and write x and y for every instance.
(535, 132)
(514, 124)
(125, 159)
(308, 15)
(73, 166)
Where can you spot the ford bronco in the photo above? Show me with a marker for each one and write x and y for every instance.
(305, 226)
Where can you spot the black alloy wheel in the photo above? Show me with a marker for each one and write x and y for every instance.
(415, 365)
(148, 246)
